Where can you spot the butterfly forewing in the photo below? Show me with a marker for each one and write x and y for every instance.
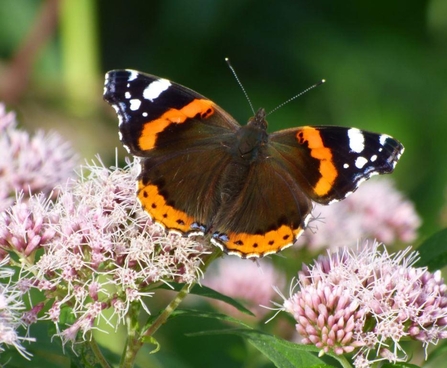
(331, 162)
(148, 106)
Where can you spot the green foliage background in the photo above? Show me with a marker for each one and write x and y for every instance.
(385, 64)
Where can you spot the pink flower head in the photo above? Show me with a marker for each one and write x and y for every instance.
(31, 164)
(25, 226)
(247, 281)
(98, 250)
(368, 300)
(12, 312)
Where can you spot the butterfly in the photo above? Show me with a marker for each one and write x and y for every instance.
(252, 192)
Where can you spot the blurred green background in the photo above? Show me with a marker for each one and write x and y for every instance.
(385, 63)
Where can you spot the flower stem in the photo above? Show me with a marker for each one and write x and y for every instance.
(343, 361)
(135, 340)
(172, 306)
(98, 354)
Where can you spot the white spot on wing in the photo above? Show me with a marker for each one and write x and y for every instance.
(356, 140)
(119, 114)
(360, 162)
(139, 168)
(306, 222)
(135, 104)
(155, 89)
(132, 75)
(127, 95)
(126, 148)
(216, 243)
(383, 138)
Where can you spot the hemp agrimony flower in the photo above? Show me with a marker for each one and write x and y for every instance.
(31, 164)
(99, 250)
(12, 312)
(250, 282)
(367, 301)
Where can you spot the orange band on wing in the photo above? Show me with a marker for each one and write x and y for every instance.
(323, 154)
(177, 116)
(257, 245)
(155, 205)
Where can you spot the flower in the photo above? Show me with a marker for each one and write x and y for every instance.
(367, 301)
(97, 250)
(25, 226)
(245, 280)
(377, 210)
(12, 310)
(31, 164)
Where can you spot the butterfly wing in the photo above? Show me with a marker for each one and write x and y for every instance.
(323, 164)
(331, 162)
(148, 106)
(181, 137)
(267, 213)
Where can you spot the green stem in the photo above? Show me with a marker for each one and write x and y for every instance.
(343, 361)
(135, 340)
(98, 354)
(172, 306)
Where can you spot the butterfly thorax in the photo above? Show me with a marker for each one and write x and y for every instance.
(252, 138)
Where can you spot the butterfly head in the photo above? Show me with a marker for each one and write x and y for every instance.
(258, 121)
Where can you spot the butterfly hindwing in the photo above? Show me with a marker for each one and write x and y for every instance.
(268, 213)
(168, 182)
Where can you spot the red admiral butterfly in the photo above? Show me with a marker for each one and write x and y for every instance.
(203, 173)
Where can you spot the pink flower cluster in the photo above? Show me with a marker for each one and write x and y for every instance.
(98, 249)
(12, 311)
(25, 226)
(249, 282)
(31, 164)
(368, 301)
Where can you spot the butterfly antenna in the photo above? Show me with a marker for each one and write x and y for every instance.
(240, 84)
(298, 95)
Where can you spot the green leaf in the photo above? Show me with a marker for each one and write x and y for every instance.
(47, 352)
(82, 356)
(42, 357)
(433, 251)
(153, 341)
(439, 351)
(208, 293)
(284, 354)
(399, 365)
(205, 314)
